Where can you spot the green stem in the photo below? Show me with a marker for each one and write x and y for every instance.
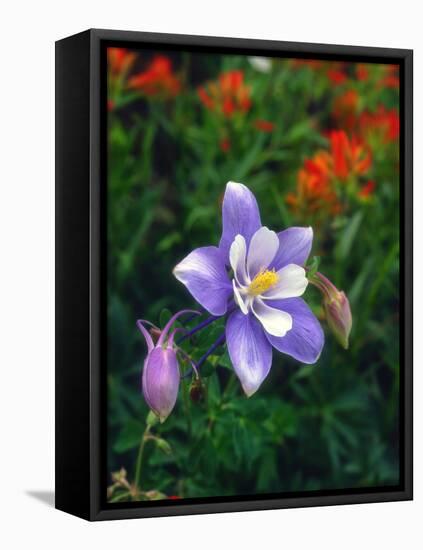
(140, 456)
(121, 496)
(187, 408)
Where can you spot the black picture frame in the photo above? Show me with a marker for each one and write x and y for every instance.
(80, 273)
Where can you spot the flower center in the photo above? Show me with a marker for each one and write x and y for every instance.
(262, 282)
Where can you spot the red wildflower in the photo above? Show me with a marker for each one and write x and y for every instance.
(314, 192)
(311, 63)
(225, 145)
(120, 60)
(367, 190)
(264, 125)
(228, 94)
(157, 79)
(390, 78)
(174, 497)
(350, 156)
(345, 109)
(384, 122)
(205, 98)
(319, 180)
(362, 71)
(228, 106)
(336, 76)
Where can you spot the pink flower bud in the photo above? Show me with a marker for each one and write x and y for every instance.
(160, 376)
(160, 381)
(337, 308)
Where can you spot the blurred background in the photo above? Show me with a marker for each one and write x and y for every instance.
(318, 144)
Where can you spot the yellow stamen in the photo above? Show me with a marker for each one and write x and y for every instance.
(262, 282)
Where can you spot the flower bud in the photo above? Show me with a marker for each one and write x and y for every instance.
(337, 308)
(160, 381)
(197, 391)
(160, 376)
(338, 315)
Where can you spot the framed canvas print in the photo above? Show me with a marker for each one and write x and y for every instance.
(233, 274)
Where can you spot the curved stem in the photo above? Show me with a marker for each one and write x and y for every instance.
(202, 359)
(214, 346)
(166, 328)
(121, 496)
(206, 323)
(200, 326)
(188, 358)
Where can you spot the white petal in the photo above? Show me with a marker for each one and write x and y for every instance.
(291, 284)
(238, 298)
(237, 257)
(263, 247)
(274, 321)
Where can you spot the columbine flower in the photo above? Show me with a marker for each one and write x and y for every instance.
(262, 296)
(160, 376)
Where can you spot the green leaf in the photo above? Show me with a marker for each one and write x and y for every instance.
(167, 242)
(245, 165)
(206, 369)
(164, 317)
(298, 132)
(208, 336)
(348, 236)
(199, 213)
(129, 437)
(225, 360)
(313, 266)
(163, 445)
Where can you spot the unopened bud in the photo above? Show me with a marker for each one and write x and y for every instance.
(160, 375)
(337, 308)
(160, 381)
(164, 446)
(197, 391)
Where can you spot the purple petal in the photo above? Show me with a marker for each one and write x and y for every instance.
(240, 216)
(249, 350)
(169, 324)
(145, 333)
(203, 272)
(160, 381)
(305, 340)
(294, 247)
